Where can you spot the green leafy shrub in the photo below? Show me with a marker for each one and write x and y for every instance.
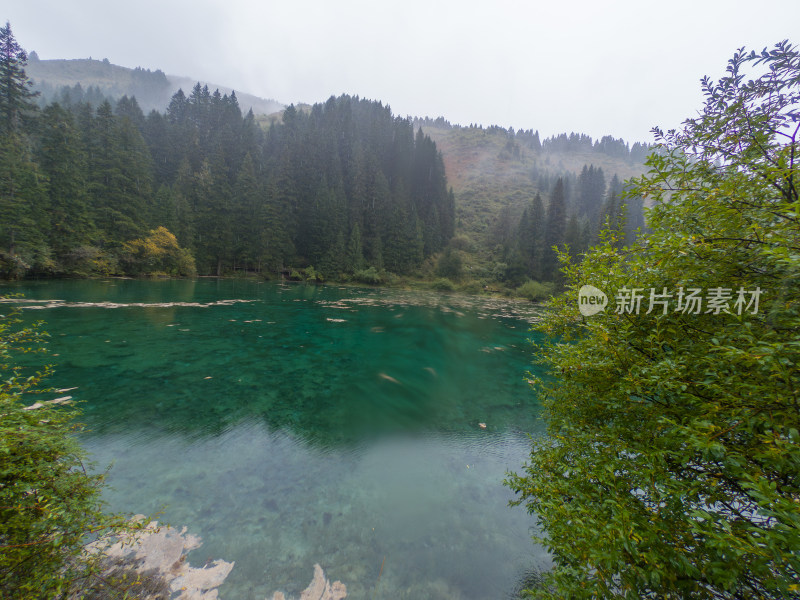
(443, 285)
(450, 265)
(309, 274)
(50, 505)
(369, 276)
(472, 287)
(462, 243)
(12, 266)
(535, 290)
(86, 261)
(497, 271)
(672, 467)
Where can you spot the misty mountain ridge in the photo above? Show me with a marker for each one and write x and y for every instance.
(152, 89)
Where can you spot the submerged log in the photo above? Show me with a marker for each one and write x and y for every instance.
(319, 589)
(163, 550)
(160, 553)
(62, 400)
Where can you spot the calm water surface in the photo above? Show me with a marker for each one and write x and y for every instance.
(303, 425)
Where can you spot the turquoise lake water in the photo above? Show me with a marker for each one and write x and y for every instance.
(289, 425)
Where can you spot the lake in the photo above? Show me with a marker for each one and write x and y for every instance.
(289, 425)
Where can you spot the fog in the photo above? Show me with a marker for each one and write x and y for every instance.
(597, 68)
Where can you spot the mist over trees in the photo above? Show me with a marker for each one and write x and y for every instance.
(343, 186)
(505, 179)
(561, 143)
(571, 216)
(153, 89)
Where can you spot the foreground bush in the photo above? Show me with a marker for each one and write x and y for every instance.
(49, 504)
(672, 466)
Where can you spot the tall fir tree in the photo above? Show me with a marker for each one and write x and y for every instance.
(120, 177)
(530, 236)
(63, 161)
(554, 234)
(612, 216)
(248, 217)
(22, 188)
(572, 236)
(16, 96)
(591, 189)
(355, 251)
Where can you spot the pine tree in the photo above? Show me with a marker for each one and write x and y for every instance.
(23, 218)
(375, 211)
(248, 216)
(16, 96)
(120, 177)
(129, 108)
(166, 157)
(355, 252)
(612, 216)
(530, 236)
(182, 199)
(572, 236)
(634, 217)
(177, 111)
(278, 205)
(213, 218)
(591, 189)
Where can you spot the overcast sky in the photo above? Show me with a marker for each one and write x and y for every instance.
(594, 67)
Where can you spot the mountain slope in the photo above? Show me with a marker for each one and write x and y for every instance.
(495, 173)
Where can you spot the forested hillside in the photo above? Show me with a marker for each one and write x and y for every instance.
(327, 191)
(517, 196)
(84, 189)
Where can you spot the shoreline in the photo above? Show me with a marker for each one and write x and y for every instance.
(467, 288)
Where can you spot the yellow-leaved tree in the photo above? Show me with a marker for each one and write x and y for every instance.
(158, 253)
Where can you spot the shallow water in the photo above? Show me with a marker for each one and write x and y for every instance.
(293, 425)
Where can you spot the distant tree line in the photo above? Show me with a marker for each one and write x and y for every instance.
(561, 143)
(342, 187)
(69, 96)
(608, 145)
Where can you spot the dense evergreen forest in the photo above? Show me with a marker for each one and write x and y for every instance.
(577, 211)
(90, 185)
(84, 189)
